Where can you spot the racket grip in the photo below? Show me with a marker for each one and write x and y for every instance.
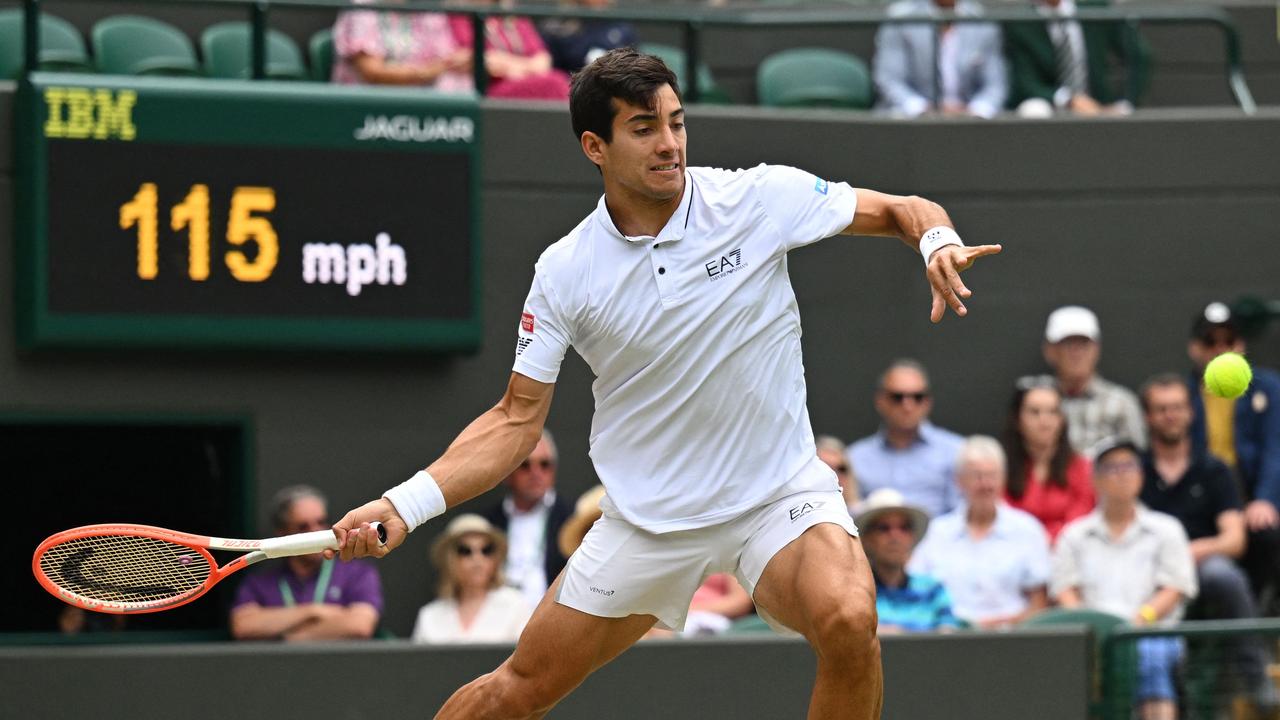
(312, 542)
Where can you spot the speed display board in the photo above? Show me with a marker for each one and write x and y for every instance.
(194, 213)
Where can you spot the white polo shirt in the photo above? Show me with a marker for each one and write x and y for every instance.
(694, 339)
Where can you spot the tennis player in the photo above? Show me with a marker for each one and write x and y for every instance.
(675, 291)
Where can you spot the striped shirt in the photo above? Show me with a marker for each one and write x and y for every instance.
(1104, 410)
(921, 605)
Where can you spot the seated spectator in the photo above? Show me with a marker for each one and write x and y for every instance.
(993, 559)
(472, 605)
(908, 454)
(306, 597)
(1245, 434)
(967, 77)
(1134, 563)
(575, 42)
(1095, 408)
(1198, 490)
(518, 64)
(831, 452)
(387, 47)
(1046, 477)
(905, 602)
(1064, 65)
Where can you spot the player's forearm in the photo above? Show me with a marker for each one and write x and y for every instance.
(492, 446)
(263, 623)
(901, 216)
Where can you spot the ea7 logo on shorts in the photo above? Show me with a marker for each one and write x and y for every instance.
(526, 322)
(800, 511)
(726, 265)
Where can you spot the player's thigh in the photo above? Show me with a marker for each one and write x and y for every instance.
(561, 646)
(821, 574)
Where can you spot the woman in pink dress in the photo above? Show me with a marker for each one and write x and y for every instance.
(518, 63)
(1046, 477)
(385, 47)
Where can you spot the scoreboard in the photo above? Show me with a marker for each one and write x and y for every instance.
(159, 212)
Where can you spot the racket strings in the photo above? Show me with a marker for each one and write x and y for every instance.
(125, 568)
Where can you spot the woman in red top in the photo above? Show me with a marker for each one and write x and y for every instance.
(1046, 478)
(517, 61)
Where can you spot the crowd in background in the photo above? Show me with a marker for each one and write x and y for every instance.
(1034, 67)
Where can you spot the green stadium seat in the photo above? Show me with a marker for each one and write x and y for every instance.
(136, 45)
(320, 48)
(61, 47)
(814, 77)
(227, 49)
(711, 93)
(751, 624)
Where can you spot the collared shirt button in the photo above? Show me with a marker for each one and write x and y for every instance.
(662, 271)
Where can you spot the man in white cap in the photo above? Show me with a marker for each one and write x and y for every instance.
(904, 602)
(1095, 408)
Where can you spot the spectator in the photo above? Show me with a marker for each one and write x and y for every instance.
(307, 597)
(1132, 562)
(1200, 492)
(575, 42)
(831, 452)
(993, 559)
(1046, 477)
(586, 511)
(471, 604)
(387, 47)
(1245, 434)
(517, 62)
(890, 529)
(531, 515)
(908, 454)
(1063, 64)
(1095, 408)
(968, 76)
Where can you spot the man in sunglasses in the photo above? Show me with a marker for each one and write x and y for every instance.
(531, 515)
(908, 453)
(1245, 434)
(891, 529)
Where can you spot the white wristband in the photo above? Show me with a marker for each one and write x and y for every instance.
(935, 238)
(417, 499)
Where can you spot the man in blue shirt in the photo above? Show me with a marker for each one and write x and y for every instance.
(904, 603)
(908, 454)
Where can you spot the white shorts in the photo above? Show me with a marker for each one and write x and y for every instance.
(621, 570)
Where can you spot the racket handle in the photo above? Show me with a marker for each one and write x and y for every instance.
(312, 542)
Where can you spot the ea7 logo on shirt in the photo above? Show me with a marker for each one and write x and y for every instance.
(521, 344)
(726, 265)
(820, 187)
(800, 511)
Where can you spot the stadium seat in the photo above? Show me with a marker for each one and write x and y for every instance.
(61, 47)
(814, 77)
(136, 45)
(673, 56)
(227, 53)
(321, 51)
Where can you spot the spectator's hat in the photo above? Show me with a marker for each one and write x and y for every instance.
(887, 500)
(1215, 315)
(1072, 321)
(585, 512)
(1109, 445)
(466, 524)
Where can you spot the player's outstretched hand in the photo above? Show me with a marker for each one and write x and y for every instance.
(357, 537)
(944, 270)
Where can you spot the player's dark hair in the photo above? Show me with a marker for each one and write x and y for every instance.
(1016, 448)
(1162, 380)
(622, 74)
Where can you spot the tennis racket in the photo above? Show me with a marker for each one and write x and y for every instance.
(130, 569)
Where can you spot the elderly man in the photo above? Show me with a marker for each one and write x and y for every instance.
(905, 602)
(1133, 562)
(531, 515)
(1095, 408)
(306, 597)
(908, 454)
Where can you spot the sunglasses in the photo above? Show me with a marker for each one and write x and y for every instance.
(886, 527)
(466, 551)
(542, 464)
(841, 469)
(901, 397)
(1118, 467)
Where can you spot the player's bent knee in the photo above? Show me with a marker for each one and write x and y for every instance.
(847, 631)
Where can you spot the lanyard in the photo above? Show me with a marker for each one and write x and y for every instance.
(322, 585)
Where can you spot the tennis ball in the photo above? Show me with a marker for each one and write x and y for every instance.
(1228, 375)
